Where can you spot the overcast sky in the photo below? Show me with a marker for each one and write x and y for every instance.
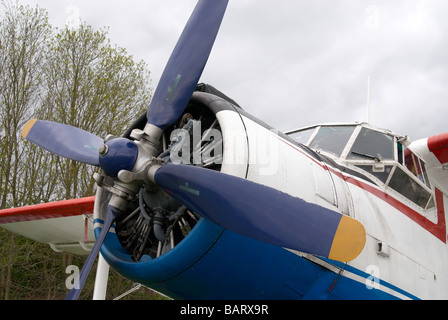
(294, 63)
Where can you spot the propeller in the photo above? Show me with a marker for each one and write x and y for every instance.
(263, 213)
(111, 216)
(242, 206)
(175, 88)
(186, 64)
(64, 140)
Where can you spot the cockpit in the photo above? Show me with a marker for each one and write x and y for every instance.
(380, 155)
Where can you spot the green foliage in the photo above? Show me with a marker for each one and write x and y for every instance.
(38, 273)
(72, 76)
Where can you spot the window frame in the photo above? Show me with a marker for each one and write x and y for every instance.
(316, 133)
(417, 181)
(379, 165)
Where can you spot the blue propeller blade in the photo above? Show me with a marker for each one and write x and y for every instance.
(187, 61)
(263, 213)
(111, 216)
(64, 140)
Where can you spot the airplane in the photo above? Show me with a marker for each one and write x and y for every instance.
(201, 200)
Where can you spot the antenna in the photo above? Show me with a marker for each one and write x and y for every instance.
(368, 99)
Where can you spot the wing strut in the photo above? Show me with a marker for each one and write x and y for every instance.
(102, 275)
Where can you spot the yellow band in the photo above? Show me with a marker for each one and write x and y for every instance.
(349, 240)
(27, 128)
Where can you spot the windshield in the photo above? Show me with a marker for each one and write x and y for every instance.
(371, 144)
(332, 139)
(302, 136)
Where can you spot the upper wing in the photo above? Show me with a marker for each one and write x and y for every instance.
(434, 150)
(63, 224)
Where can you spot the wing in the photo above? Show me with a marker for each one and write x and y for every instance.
(64, 225)
(434, 150)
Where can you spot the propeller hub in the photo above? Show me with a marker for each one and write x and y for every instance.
(118, 154)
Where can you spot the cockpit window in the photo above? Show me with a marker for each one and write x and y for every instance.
(404, 184)
(416, 166)
(302, 136)
(377, 153)
(332, 139)
(371, 144)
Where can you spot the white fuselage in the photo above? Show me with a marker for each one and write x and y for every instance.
(403, 256)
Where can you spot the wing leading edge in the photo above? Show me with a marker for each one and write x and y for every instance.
(62, 224)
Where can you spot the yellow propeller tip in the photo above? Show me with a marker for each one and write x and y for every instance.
(349, 240)
(27, 127)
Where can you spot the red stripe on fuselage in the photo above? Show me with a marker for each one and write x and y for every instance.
(437, 229)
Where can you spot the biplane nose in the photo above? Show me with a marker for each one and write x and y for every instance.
(245, 207)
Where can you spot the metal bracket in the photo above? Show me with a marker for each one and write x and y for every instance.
(109, 185)
(142, 175)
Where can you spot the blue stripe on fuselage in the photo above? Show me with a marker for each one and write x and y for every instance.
(214, 263)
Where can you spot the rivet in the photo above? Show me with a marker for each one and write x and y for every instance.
(103, 149)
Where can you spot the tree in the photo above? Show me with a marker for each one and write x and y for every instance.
(73, 76)
(22, 39)
(23, 32)
(92, 85)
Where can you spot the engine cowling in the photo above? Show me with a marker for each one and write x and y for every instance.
(159, 237)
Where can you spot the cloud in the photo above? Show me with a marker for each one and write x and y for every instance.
(297, 63)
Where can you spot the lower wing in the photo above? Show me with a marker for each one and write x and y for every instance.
(64, 225)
